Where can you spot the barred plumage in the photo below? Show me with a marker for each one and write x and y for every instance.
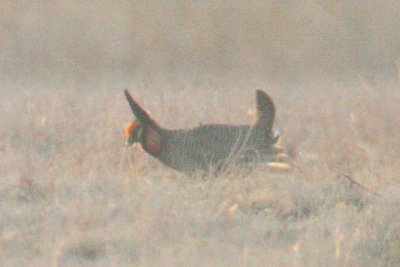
(208, 147)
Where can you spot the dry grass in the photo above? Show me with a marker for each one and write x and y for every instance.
(71, 194)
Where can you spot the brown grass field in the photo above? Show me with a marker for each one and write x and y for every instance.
(71, 193)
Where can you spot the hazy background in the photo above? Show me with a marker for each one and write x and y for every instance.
(71, 193)
(283, 41)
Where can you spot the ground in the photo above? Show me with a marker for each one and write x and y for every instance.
(73, 195)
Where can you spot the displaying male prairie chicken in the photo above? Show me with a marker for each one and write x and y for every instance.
(210, 147)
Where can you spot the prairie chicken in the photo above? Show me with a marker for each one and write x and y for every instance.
(210, 147)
